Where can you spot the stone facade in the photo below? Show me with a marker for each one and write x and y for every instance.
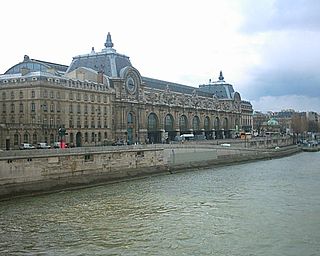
(101, 99)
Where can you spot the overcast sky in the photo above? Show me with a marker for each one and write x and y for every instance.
(269, 50)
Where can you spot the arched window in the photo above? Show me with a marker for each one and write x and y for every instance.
(26, 138)
(152, 122)
(226, 124)
(217, 123)
(168, 123)
(130, 118)
(207, 123)
(183, 123)
(196, 123)
(34, 138)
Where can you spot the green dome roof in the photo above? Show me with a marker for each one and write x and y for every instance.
(272, 122)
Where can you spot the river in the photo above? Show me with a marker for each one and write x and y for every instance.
(261, 208)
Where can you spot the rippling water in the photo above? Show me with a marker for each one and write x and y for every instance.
(261, 208)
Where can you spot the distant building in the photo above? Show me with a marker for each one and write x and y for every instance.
(101, 98)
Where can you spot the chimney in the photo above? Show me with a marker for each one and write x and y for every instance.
(100, 77)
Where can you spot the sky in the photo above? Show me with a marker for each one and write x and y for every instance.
(267, 49)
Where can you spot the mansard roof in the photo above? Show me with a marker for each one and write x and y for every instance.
(33, 65)
(220, 88)
(174, 87)
(108, 60)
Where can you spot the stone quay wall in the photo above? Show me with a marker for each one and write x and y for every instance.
(39, 171)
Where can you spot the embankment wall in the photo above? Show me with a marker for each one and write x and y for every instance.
(48, 170)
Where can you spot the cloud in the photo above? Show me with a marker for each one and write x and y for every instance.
(287, 73)
(266, 15)
(277, 103)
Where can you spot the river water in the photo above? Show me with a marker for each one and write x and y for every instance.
(262, 208)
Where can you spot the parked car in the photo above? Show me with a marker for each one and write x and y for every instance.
(57, 144)
(26, 146)
(43, 145)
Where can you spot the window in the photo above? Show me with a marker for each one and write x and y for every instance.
(99, 136)
(51, 121)
(168, 123)
(70, 96)
(207, 123)
(130, 118)
(196, 123)
(33, 107)
(152, 122)
(16, 139)
(3, 95)
(71, 122)
(92, 109)
(33, 94)
(86, 109)
(58, 95)
(71, 138)
(45, 107)
(70, 108)
(78, 109)
(51, 107)
(86, 136)
(21, 107)
(25, 138)
(34, 138)
(85, 122)
(12, 95)
(45, 94)
(86, 97)
(92, 123)
(12, 107)
(92, 137)
(92, 97)
(183, 123)
(4, 108)
(58, 107)
(78, 96)
(51, 94)
(99, 122)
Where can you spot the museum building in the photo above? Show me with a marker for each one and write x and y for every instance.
(101, 99)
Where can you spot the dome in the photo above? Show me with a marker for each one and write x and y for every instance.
(272, 122)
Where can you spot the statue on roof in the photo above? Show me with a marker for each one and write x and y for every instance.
(108, 43)
(221, 78)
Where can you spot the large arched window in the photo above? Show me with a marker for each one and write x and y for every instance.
(207, 123)
(183, 123)
(196, 123)
(152, 122)
(226, 124)
(168, 123)
(217, 123)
